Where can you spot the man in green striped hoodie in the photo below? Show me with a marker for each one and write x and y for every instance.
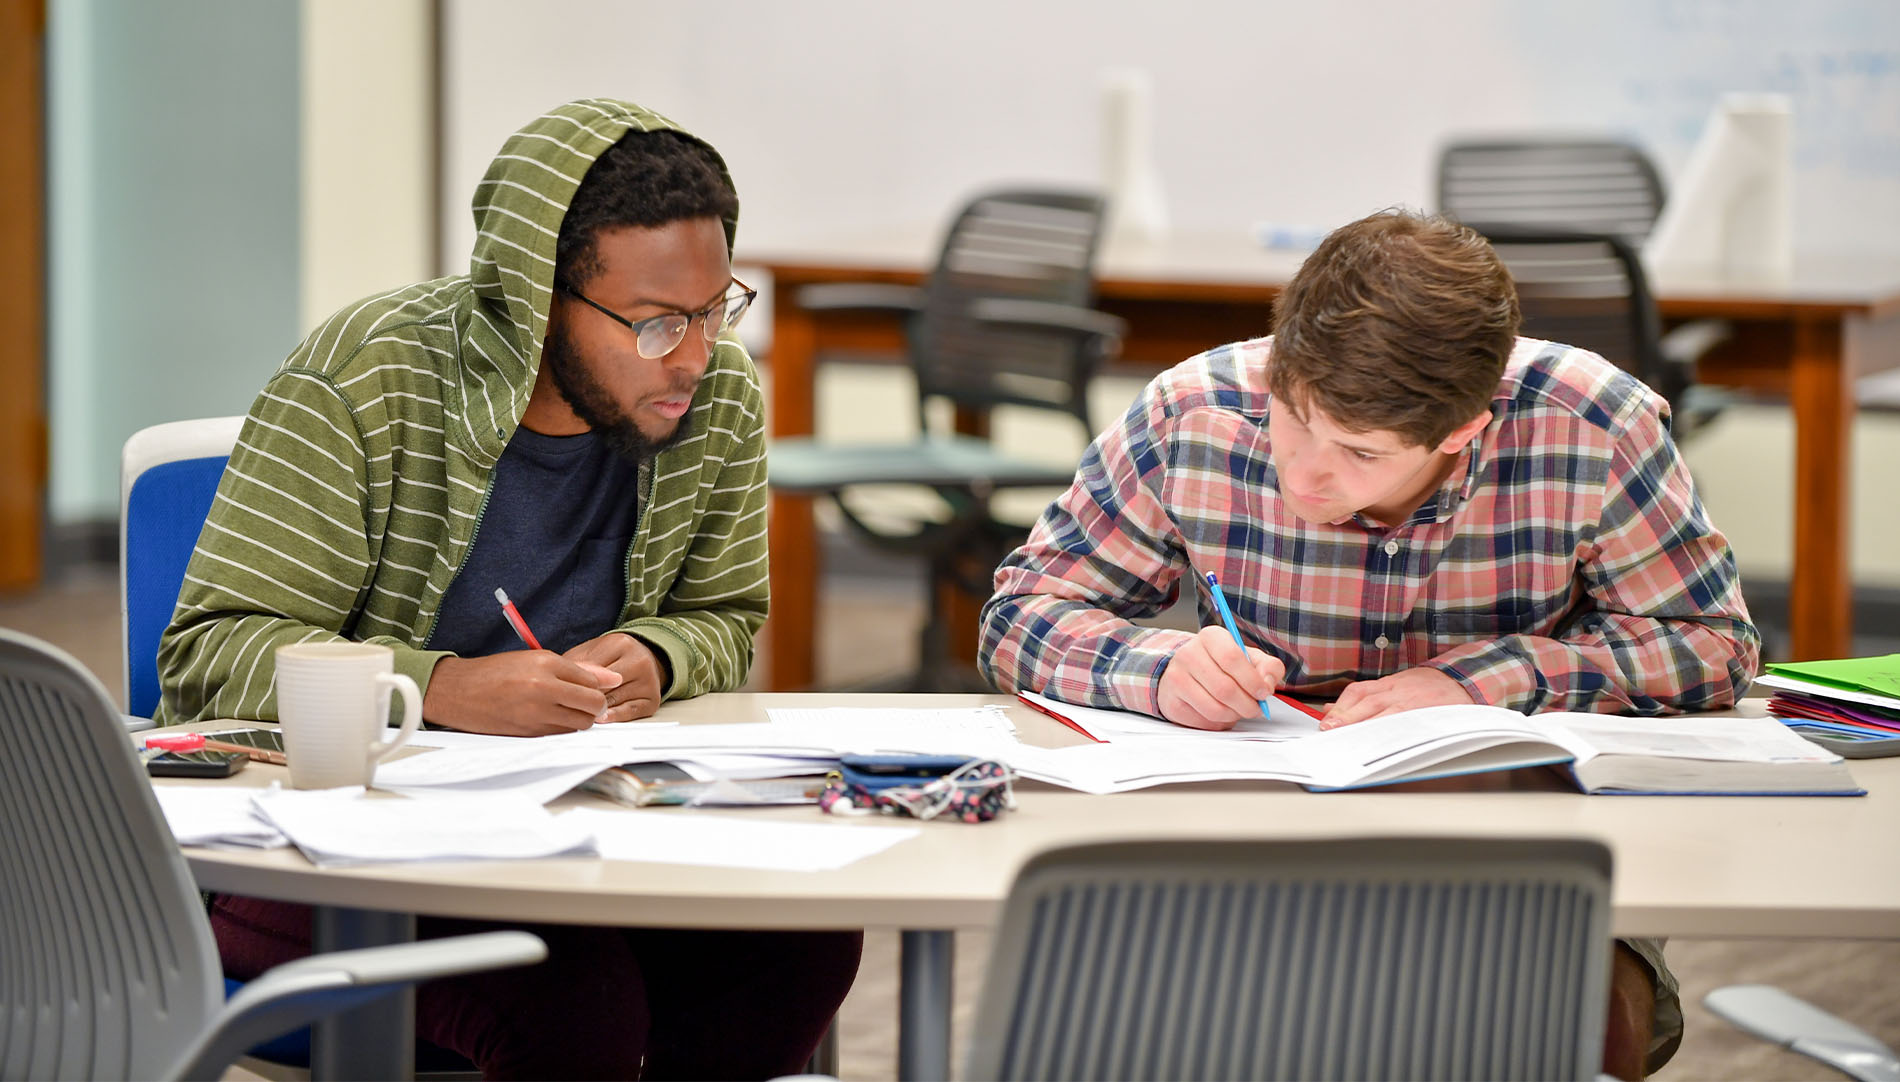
(572, 422)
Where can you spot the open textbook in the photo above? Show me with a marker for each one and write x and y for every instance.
(1600, 753)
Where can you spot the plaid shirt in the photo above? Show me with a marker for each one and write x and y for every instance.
(1565, 563)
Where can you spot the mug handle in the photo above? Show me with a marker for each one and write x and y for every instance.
(397, 683)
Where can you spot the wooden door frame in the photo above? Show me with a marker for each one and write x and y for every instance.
(23, 426)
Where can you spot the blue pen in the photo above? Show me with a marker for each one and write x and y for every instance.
(1227, 617)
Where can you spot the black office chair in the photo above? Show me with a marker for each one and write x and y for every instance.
(1002, 320)
(1589, 290)
(1593, 186)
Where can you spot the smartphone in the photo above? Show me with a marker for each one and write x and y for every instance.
(263, 745)
(196, 764)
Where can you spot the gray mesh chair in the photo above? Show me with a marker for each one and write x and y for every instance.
(107, 965)
(1412, 958)
(1002, 320)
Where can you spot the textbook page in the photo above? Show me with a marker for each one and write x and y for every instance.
(1700, 755)
(1140, 763)
(1729, 739)
(1418, 744)
(1433, 742)
(1283, 723)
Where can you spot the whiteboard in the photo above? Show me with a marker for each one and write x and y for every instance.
(869, 113)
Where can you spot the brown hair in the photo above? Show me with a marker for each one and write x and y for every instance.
(1398, 322)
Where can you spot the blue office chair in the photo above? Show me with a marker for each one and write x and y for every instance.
(168, 476)
(107, 965)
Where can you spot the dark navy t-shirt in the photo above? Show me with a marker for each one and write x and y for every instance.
(561, 512)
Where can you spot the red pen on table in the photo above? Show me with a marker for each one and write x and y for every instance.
(514, 619)
(167, 743)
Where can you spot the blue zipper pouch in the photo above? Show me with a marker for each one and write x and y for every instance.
(875, 773)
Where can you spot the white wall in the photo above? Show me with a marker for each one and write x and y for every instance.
(867, 112)
(843, 114)
(368, 149)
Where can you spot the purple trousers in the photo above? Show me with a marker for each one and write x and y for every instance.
(654, 1003)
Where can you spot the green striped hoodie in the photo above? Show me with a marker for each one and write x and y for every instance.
(363, 467)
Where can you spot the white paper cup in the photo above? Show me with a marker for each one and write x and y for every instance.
(333, 705)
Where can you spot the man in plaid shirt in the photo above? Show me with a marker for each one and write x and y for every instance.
(1406, 505)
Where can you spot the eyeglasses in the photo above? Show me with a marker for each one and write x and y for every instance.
(658, 336)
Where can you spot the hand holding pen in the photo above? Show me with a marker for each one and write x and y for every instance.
(515, 620)
(530, 692)
(1216, 681)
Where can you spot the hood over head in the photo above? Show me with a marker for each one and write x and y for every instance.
(518, 209)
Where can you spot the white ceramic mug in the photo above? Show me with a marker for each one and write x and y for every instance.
(333, 704)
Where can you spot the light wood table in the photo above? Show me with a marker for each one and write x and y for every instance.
(1780, 867)
(1807, 340)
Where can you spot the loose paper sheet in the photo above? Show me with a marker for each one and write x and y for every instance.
(217, 816)
(339, 827)
(730, 841)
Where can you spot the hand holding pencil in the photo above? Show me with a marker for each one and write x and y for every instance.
(1216, 681)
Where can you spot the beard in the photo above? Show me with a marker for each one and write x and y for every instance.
(592, 403)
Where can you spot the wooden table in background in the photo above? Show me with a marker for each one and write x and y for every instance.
(1806, 340)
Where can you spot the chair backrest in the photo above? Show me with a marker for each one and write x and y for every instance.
(107, 966)
(167, 477)
(1594, 185)
(1412, 958)
(1018, 244)
(1587, 290)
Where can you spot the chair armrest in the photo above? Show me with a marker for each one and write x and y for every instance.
(297, 993)
(1686, 344)
(868, 296)
(1050, 316)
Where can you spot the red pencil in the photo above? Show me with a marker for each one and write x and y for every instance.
(1070, 722)
(514, 619)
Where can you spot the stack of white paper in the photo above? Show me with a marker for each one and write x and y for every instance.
(537, 770)
(542, 768)
(218, 817)
(336, 827)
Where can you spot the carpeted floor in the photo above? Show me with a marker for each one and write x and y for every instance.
(1858, 980)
